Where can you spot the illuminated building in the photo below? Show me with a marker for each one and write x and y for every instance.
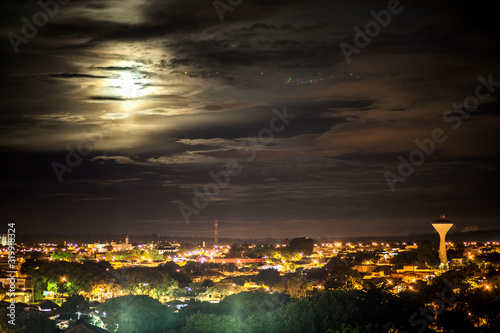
(442, 226)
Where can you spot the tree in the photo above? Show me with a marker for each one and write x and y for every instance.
(58, 255)
(223, 289)
(269, 277)
(340, 274)
(427, 254)
(73, 304)
(207, 283)
(106, 282)
(231, 267)
(334, 308)
(155, 255)
(63, 276)
(181, 278)
(53, 286)
(362, 257)
(320, 274)
(457, 251)
(35, 255)
(235, 251)
(175, 273)
(292, 284)
(262, 250)
(304, 245)
(454, 322)
(136, 314)
(186, 247)
(493, 257)
(202, 323)
(245, 304)
(297, 317)
(23, 324)
(407, 258)
(146, 281)
(5, 327)
(39, 324)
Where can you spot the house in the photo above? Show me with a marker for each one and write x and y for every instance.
(167, 248)
(47, 306)
(86, 328)
(20, 282)
(93, 305)
(365, 268)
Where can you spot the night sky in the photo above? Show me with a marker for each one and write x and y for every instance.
(155, 97)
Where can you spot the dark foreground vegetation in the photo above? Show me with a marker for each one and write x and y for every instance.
(449, 303)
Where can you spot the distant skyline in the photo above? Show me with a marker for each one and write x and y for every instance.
(156, 100)
(490, 235)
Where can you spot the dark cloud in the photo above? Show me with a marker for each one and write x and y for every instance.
(76, 75)
(173, 93)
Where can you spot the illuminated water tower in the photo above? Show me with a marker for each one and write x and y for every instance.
(442, 226)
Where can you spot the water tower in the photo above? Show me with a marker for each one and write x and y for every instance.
(442, 226)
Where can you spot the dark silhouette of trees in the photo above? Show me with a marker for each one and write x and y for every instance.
(23, 324)
(303, 244)
(340, 274)
(146, 281)
(207, 283)
(454, 322)
(63, 276)
(294, 285)
(73, 304)
(269, 277)
(136, 314)
(235, 251)
(407, 258)
(362, 257)
(245, 304)
(427, 254)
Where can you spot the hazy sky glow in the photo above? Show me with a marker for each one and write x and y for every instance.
(174, 92)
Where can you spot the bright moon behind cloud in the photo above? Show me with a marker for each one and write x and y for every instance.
(174, 92)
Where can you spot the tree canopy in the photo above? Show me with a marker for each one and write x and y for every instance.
(136, 314)
(303, 244)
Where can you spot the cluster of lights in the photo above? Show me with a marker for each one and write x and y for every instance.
(201, 253)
